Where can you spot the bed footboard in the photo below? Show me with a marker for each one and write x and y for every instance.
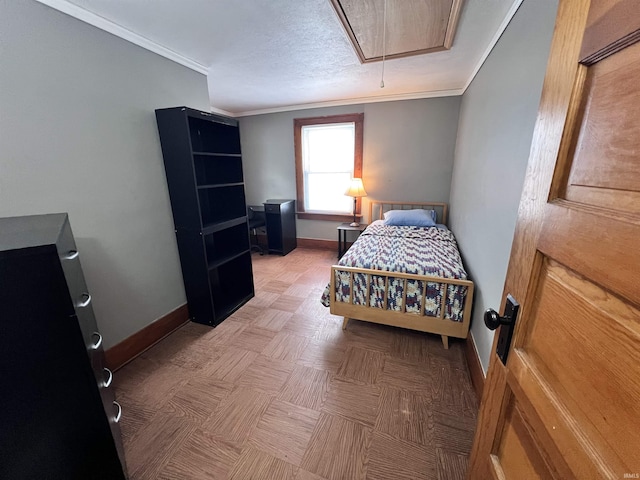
(398, 315)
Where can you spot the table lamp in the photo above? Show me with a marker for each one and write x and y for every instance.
(355, 190)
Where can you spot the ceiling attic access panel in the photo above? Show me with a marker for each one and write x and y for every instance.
(414, 27)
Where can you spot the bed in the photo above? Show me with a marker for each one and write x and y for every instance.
(408, 276)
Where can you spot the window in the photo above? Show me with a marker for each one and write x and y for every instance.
(328, 154)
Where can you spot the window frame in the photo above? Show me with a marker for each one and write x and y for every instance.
(358, 120)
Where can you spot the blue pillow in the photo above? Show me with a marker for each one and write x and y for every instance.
(413, 218)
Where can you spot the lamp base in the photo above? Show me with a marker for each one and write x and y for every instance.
(354, 223)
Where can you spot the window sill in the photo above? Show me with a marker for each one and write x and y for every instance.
(329, 217)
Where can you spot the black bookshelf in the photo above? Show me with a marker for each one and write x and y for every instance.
(203, 163)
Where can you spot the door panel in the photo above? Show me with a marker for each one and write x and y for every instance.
(608, 128)
(596, 245)
(560, 433)
(518, 453)
(610, 23)
(573, 322)
(566, 404)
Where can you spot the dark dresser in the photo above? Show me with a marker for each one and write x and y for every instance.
(281, 225)
(58, 414)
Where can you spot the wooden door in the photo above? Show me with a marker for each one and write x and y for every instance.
(567, 404)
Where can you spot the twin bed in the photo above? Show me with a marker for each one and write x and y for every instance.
(406, 276)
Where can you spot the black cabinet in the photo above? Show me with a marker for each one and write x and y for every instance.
(58, 414)
(281, 225)
(203, 164)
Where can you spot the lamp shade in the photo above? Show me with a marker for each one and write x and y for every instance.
(356, 189)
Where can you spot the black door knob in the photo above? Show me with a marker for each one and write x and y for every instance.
(491, 319)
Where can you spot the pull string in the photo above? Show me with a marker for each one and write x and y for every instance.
(384, 41)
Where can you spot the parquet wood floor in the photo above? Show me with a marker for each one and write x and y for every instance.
(280, 391)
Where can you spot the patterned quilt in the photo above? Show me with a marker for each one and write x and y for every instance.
(418, 250)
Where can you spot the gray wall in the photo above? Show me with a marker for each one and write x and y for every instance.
(78, 135)
(408, 154)
(497, 117)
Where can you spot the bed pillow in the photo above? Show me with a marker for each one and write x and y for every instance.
(412, 218)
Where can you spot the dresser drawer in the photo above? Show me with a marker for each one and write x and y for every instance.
(104, 380)
(82, 304)
(66, 245)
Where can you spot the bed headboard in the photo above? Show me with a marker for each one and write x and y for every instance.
(378, 207)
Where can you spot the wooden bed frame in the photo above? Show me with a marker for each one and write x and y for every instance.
(414, 321)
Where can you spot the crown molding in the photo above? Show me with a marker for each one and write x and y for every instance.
(119, 31)
(354, 101)
(108, 26)
(220, 111)
(503, 26)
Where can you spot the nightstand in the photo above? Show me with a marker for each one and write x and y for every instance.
(343, 228)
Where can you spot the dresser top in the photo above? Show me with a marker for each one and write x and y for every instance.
(30, 231)
(277, 201)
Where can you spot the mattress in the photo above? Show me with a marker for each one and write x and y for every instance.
(430, 251)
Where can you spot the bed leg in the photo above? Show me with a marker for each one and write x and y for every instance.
(445, 342)
(344, 323)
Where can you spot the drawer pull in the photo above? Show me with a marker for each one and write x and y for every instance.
(109, 379)
(70, 255)
(98, 342)
(86, 300)
(119, 414)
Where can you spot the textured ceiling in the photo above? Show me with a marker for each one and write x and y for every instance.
(271, 55)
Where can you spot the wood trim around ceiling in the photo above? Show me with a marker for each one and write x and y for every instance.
(344, 22)
(406, 54)
(452, 24)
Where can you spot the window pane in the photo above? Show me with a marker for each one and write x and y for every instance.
(328, 148)
(325, 192)
(326, 161)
